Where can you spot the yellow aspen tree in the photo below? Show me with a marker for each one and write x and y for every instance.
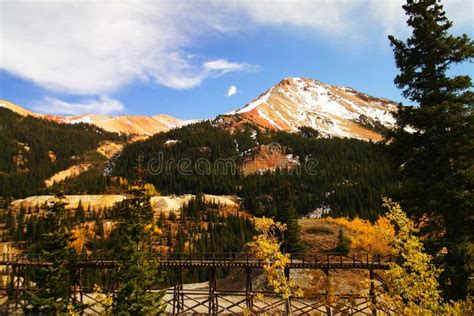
(412, 280)
(266, 247)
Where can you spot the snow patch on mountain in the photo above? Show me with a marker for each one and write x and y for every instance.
(252, 105)
(332, 110)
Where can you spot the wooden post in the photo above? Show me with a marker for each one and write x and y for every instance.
(373, 296)
(73, 283)
(178, 297)
(12, 277)
(17, 286)
(213, 307)
(248, 287)
(327, 293)
(288, 300)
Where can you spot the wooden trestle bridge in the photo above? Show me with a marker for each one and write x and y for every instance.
(208, 297)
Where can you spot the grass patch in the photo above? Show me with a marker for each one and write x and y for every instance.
(94, 156)
(320, 230)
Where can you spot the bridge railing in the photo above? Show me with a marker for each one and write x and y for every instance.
(244, 258)
(355, 258)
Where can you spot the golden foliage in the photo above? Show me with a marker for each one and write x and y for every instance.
(148, 188)
(366, 236)
(413, 280)
(266, 247)
(103, 301)
(81, 234)
(153, 230)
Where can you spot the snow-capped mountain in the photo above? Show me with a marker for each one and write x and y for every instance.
(127, 124)
(332, 110)
(293, 102)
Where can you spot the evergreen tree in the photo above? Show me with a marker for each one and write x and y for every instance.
(53, 282)
(139, 271)
(292, 239)
(20, 224)
(10, 223)
(343, 243)
(80, 215)
(436, 159)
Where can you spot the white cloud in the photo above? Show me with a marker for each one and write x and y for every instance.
(96, 47)
(231, 90)
(345, 18)
(390, 16)
(104, 105)
(194, 76)
(88, 48)
(223, 66)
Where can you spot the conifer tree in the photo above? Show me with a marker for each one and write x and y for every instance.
(80, 215)
(11, 223)
(292, 239)
(53, 294)
(436, 158)
(139, 274)
(343, 243)
(20, 226)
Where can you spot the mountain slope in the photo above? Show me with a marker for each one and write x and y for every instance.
(125, 124)
(33, 149)
(331, 110)
(17, 109)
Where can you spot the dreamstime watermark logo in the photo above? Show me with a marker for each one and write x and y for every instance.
(273, 160)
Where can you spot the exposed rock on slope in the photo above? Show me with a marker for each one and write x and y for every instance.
(70, 172)
(332, 110)
(159, 204)
(268, 158)
(173, 203)
(72, 201)
(109, 149)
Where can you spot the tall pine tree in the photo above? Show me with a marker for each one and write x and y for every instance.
(139, 274)
(53, 293)
(287, 215)
(436, 159)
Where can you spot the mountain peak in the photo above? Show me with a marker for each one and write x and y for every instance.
(332, 110)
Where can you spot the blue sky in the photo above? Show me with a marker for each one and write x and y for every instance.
(180, 58)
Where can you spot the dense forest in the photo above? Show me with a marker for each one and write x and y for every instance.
(33, 149)
(349, 176)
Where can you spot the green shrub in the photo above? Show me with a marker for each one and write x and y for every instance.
(343, 243)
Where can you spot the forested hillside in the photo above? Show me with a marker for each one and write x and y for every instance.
(347, 175)
(201, 227)
(32, 149)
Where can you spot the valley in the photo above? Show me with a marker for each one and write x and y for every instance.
(304, 154)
